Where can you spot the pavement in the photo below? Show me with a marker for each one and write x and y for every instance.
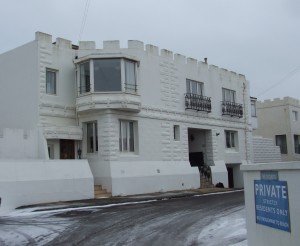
(125, 199)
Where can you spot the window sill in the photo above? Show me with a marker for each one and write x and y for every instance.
(231, 150)
(128, 154)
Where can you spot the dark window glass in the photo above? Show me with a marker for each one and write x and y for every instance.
(107, 75)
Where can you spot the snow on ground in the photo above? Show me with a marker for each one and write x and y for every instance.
(225, 230)
(26, 227)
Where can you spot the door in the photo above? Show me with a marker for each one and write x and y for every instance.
(67, 149)
(230, 177)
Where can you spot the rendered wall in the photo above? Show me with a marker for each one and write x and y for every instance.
(260, 235)
(26, 182)
(19, 93)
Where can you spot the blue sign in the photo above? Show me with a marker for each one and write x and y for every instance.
(272, 204)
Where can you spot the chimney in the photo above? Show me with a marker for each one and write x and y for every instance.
(205, 60)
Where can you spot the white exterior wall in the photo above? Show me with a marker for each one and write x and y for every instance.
(19, 93)
(161, 78)
(258, 234)
(158, 105)
(269, 112)
(26, 182)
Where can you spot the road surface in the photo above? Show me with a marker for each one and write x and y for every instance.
(202, 220)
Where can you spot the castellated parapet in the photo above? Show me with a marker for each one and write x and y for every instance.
(113, 46)
(278, 102)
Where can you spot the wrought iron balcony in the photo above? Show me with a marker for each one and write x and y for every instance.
(232, 109)
(197, 102)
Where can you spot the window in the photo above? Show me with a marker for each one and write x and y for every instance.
(85, 83)
(295, 115)
(297, 143)
(281, 142)
(107, 75)
(253, 107)
(50, 82)
(231, 139)
(176, 131)
(92, 137)
(130, 79)
(194, 87)
(228, 95)
(126, 136)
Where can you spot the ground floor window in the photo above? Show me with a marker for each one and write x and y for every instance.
(281, 142)
(92, 137)
(126, 136)
(231, 139)
(297, 143)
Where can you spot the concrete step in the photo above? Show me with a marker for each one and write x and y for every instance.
(99, 192)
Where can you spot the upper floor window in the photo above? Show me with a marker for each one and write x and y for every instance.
(253, 107)
(295, 115)
(130, 75)
(109, 75)
(228, 95)
(85, 82)
(194, 87)
(51, 81)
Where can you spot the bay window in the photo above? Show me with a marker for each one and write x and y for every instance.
(108, 75)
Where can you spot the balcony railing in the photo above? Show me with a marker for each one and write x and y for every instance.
(197, 102)
(232, 109)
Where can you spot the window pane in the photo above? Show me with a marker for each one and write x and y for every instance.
(50, 82)
(124, 136)
(96, 135)
(84, 77)
(90, 137)
(193, 87)
(232, 140)
(188, 90)
(107, 75)
(228, 139)
(281, 142)
(131, 137)
(130, 81)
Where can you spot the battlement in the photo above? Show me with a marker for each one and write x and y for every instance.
(276, 102)
(113, 46)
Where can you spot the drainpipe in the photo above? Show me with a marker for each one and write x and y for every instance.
(245, 120)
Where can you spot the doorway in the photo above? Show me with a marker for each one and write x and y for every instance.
(67, 149)
(230, 177)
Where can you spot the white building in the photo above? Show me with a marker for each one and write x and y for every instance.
(138, 114)
(278, 119)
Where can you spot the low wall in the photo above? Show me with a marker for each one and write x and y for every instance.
(146, 177)
(272, 203)
(25, 182)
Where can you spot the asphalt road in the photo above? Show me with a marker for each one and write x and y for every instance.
(183, 221)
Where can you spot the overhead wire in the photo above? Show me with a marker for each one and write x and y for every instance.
(83, 22)
(287, 76)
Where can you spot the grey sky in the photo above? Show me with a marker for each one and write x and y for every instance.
(258, 38)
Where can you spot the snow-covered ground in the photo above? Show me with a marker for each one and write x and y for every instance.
(26, 227)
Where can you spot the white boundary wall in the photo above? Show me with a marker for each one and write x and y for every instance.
(260, 235)
(26, 182)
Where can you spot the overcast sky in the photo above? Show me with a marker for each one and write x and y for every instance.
(258, 38)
